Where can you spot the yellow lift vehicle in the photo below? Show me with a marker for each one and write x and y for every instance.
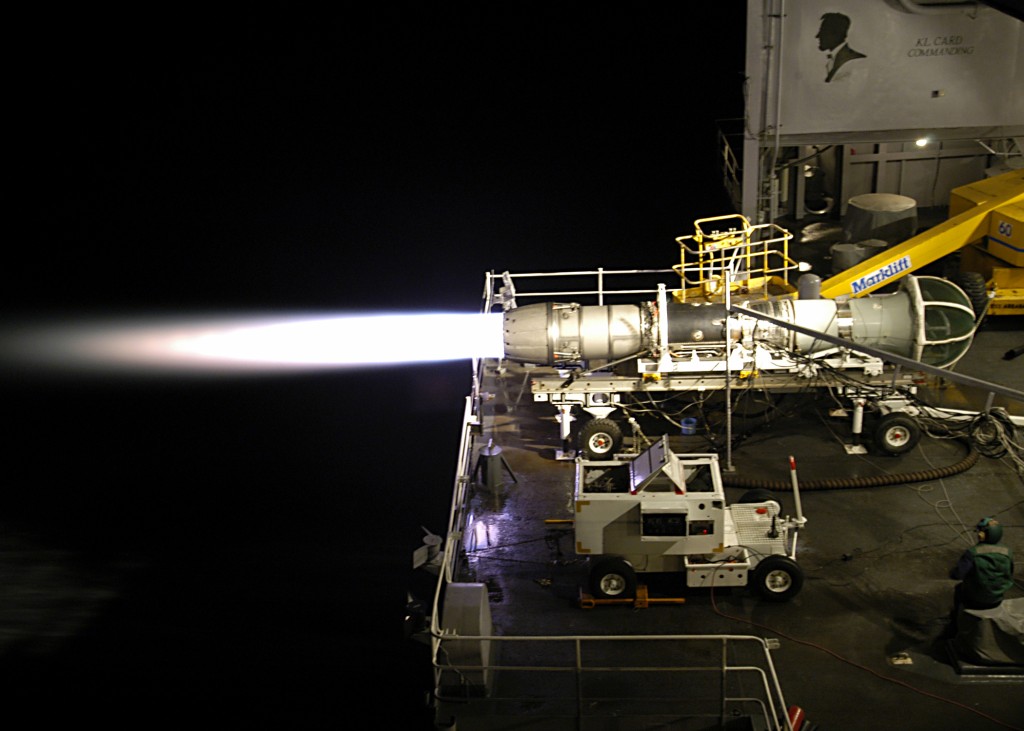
(986, 225)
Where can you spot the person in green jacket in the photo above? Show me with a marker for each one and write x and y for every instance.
(985, 570)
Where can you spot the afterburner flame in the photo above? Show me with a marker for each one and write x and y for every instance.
(269, 343)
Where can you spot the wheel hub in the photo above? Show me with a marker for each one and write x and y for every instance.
(613, 584)
(898, 436)
(778, 581)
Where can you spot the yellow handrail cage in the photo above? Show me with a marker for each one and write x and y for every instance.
(754, 259)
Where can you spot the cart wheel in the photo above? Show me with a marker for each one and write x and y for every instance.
(613, 578)
(897, 433)
(778, 578)
(600, 439)
(757, 495)
(760, 495)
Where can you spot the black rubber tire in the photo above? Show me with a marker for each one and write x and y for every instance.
(760, 495)
(600, 439)
(613, 578)
(778, 578)
(757, 495)
(974, 286)
(897, 434)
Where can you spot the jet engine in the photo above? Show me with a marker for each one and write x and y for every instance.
(928, 319)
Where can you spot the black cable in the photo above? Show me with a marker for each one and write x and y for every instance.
(899, 478)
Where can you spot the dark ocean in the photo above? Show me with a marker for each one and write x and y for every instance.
(238, 548)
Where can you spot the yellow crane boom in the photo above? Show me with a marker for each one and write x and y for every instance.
(931, 245)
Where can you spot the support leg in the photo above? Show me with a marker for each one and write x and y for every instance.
(856, 446)
(565, 420)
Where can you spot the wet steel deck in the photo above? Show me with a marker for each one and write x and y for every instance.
(859, 647)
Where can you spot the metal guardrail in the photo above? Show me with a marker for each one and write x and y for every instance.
(599, 291)
(570, 678)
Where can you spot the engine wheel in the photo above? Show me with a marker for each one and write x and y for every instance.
(778, 578)
(600, 439)
(897, 433)
(613, 578)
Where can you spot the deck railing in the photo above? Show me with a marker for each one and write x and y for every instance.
(704, 681)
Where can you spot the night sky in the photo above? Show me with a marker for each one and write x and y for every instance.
(381, 161)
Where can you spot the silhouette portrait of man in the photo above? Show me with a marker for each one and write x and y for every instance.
(832, 39)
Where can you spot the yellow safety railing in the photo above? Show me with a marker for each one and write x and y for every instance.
(753, 259)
